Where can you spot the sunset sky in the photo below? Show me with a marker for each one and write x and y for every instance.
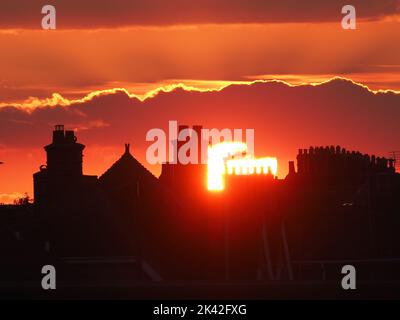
(108, 60)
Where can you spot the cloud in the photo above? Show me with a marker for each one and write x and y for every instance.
(337, 111)
(285, 118)
(121, 13)
(76, 62)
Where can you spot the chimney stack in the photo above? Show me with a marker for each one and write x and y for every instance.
(292, 170)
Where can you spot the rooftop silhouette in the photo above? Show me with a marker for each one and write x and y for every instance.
(259, 228)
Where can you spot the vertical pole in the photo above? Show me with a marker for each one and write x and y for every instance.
(286, 252)
(267, 254)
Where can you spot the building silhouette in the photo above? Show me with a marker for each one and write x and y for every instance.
(335, 206)
(61, 180)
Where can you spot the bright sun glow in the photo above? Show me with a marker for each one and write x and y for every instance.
(248, 166)
(232, 158)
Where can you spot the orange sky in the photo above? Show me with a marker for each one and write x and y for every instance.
(75, 62)
(200, 49)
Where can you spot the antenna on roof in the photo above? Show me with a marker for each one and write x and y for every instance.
(127, 146)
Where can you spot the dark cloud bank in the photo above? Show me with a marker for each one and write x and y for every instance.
(284, 118)
(121, 13)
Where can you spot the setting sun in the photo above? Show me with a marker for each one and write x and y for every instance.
(232, 158)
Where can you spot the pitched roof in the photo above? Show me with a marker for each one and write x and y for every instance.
(126, 170)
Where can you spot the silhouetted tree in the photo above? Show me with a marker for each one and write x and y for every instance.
(23, 201)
